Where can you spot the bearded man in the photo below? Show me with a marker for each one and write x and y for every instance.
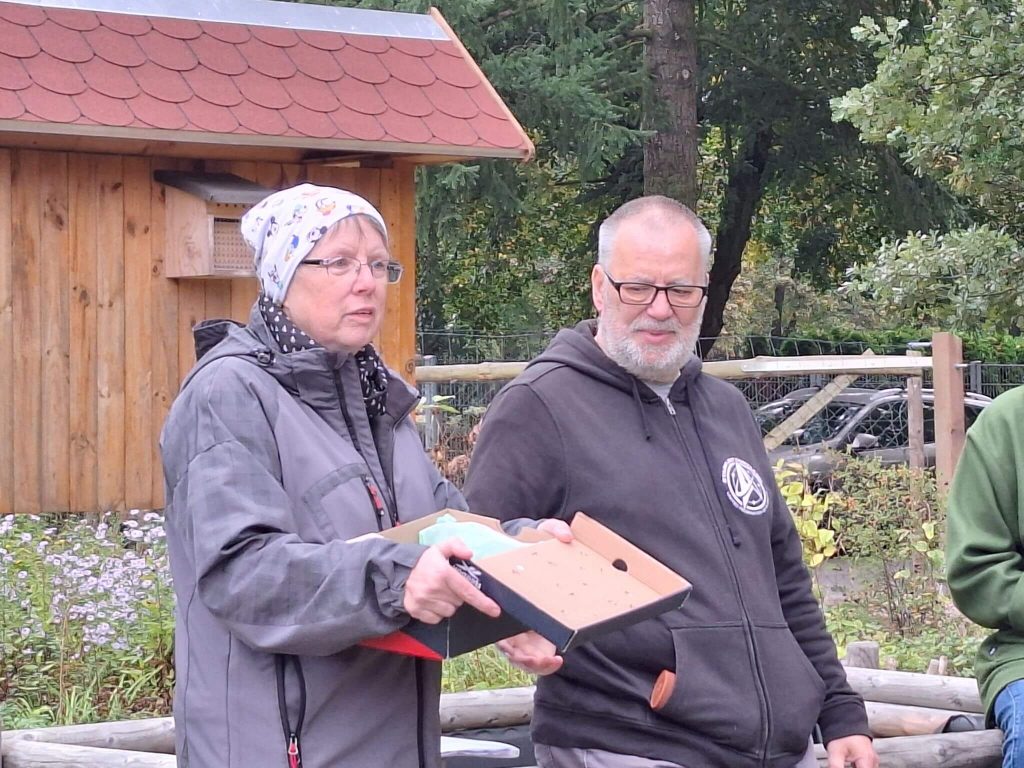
(615, 418)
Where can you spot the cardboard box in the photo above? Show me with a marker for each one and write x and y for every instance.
(569, 593)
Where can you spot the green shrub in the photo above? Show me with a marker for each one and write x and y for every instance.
(887, 522)
(949, 635)
(892, 516)
(480, 670)
(986, 347)
(888, 511)
(812, 513)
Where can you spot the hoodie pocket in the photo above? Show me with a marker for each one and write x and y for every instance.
(795, 689)
(715, 691)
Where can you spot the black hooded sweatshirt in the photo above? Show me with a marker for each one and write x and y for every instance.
(690, 483)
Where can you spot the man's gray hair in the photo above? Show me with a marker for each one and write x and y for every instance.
(660, 208)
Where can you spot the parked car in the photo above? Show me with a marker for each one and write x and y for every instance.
(867, 423)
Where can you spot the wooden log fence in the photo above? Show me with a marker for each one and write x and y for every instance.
(957, 694)
(905, 711)
(888, 720)
(974, 749)
(486, 709)
(151, 734)
(149, 742)
(25, 753)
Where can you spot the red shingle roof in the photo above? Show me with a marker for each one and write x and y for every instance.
(233, 82)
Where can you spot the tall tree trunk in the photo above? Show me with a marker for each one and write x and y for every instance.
(780, 306)
(742, 198)
(670, 155)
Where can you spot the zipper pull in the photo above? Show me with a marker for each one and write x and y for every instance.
(375, 501)
(294, 758)
(381, 507)
(671, 408)
(378, 502)
(733, 536)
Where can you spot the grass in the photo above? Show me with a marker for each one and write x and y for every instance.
(481, 670)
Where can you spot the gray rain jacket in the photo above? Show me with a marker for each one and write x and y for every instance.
(271, 464)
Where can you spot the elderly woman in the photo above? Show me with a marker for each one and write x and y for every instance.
(289, 438)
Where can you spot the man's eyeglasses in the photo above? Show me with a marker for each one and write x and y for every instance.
(346, 265)
(642, 294)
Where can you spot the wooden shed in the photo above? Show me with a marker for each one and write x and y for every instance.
(118, 227)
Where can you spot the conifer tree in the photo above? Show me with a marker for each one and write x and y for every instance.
(724, 103)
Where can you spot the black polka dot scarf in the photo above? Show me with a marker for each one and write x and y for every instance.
(289, 338)
(373, 376)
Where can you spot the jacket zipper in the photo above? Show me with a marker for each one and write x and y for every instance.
(292, 733)
(420, 747)
(753, 643)
(748, 629)
(732, 534)
(377, 495)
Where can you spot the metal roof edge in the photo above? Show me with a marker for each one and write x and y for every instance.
(214, 187)
(266, 13)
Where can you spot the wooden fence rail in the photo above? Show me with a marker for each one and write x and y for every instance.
(888, 720)
(946, 366)
(752, 368)
(22, 753)
(897, 702)
(974, 749)
(152, 734)
(958, 694)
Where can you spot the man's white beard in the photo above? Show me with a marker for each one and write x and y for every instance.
(660, 365)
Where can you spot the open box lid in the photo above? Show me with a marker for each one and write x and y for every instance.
(568, 593)
(572, 592)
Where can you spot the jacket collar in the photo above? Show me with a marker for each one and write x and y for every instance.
(310, 375)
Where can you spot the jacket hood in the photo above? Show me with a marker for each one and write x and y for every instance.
(306, 374)
(577, 348)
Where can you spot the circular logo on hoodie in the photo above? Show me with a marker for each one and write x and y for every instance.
(745, 487)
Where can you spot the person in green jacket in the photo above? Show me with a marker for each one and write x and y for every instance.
(985, 560)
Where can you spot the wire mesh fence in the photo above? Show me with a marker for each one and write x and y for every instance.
(743, 347)
(993, 379)
(451, 347)
(762, 391)
(875, 406)
(452, 411)
(448, 346)
(454, 347)
(876, 422)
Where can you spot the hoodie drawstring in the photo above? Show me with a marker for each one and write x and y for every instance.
(640, 407)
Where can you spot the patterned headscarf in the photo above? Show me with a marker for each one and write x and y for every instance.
(284, 227)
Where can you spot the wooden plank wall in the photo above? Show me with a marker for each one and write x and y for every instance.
(94, 340)
(7, 448)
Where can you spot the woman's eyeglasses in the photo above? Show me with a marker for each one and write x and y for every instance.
(343, 266)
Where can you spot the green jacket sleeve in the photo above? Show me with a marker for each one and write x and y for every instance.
(985, 565)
